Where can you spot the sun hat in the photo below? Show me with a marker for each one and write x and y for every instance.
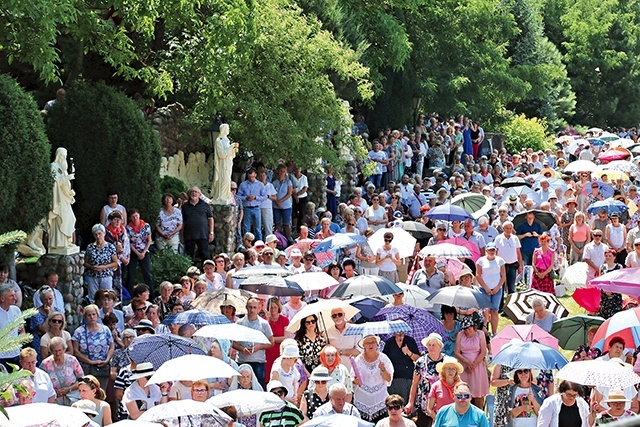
(616, 395)
(490, 245)
(86, 406)
(274, 385)
(291, 351)
(361, 342)
(571, 200)
(513, 198)
(432, 336)
(259, 244)
(193, 271)
(467, 322)
(208, 262)
(227, 303)
(466, 271)
(296, 252)
(448, 360)
(271, 238)
(143, 370)
(320, 373)
(145, 324)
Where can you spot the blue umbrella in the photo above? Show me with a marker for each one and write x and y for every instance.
(605, 189)
(610, 205)
(596, 141)
(449, 212)
(368, 307)
(158, 349)
(195, 317)
(378, 328)
(530, 355)
(339, 241)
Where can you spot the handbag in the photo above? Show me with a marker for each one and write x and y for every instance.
(98, 372)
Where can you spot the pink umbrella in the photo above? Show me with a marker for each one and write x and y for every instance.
(467, 244)
(624, 281)
(588, 298)
(322, 258)
(523, 333)
(454, 266)
(617, 153)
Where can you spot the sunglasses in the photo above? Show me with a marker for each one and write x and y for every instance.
(336, 315)
(393, 407)
(388, 240)
(309, 259)
(636, 244)
(268, 254)
(321, 382)
(140, 309)
(310, 322)
(351, 224)
(597, 235)
(279, 393)
(522, 371)
(55, 321)
(463, 396)
(86, 380)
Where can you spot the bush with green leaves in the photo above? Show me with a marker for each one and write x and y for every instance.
(521, 133)
(175, 186)
(25, 163)
(113, 148)
(168, 265)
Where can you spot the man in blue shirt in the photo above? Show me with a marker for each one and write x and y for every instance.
(528, 233)
(461, 412)
(252, 193)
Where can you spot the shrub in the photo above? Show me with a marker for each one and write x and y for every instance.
(175, 186)
(25, 162)
(168, 265)
(521, 132)
(113, 147)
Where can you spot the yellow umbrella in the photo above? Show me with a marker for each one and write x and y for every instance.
(611, 173)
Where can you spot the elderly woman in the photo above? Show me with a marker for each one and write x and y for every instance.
(525, 399)
(200, 390)
(325, 230)
(317, 396)
(394, 404)
(139, 308)
(246, 381)
(330, 359)
(64, 370)
(610, 302)
(89, 388)
(424, 376)
(375, 214)
(39, 319)
(100, 261)
(169, 224)
(566, 408)
(93, 345)
(441, 392)
(403, 351)
(616, 411)
(139, 233)
(365, 256)
(310, 341)
(220, 349)
(544, 259)
(165, 300)
(116, 234)
(388, 259)
(541, 316)
(471, 349)
(372, 374)
(55, 326)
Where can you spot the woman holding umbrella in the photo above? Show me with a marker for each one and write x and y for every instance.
(373, 373)
(141, 395)
(403, 351)
(246, 381)
(616, 411)
(471, 349)
(544, 259)
(525, 399)
(610, 302)
(424, 375)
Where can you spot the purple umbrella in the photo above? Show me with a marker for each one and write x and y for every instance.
(422, 322)
(623, 281)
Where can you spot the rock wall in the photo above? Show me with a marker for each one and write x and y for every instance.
(224, 217)
(70, 269)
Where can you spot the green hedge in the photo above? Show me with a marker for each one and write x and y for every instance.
(113, 147)
(25, 160)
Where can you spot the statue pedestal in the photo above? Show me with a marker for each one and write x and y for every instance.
(224, 217)
(70, 269)
(73, 249)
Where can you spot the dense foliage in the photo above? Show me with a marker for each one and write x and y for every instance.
(521, 132)
(168, 265)
(113, 148)
(171, 185)
(25, 160)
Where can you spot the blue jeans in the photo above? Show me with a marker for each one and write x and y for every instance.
(282, 216)
(95, 283)
(376, 180)
(252, 219)
(527, 258)
(512, 274)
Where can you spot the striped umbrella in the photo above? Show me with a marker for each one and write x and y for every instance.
(518, 305)
(378, 328)
(624, 324)
(447, 250)
(421, 322)
(366, 285)
(195, 317)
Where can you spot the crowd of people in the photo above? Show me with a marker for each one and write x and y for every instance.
(318, 370)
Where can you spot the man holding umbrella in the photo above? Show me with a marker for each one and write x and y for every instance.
(593, 254)
(528, 233)
(346, 344)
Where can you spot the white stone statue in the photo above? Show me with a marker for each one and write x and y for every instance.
(225, 151)
(32, 246)
(62, 221)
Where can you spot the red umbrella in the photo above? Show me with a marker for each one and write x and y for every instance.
(588, 298)
(467, 244)
(617, 153)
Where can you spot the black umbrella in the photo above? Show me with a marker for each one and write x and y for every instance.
(272, 285)
(544, 218)
(514, 182)
(366, 285)
(634, 149)
(417, 229)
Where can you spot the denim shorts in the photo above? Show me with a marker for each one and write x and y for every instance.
(495, 299)
(282, 216)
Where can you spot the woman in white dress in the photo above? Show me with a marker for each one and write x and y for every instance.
(372, 373)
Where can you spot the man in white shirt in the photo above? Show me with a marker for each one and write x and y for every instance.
(8, 312)
(337, 403)
(593, 255)
(42, 385)
(347, 345)
(406, 188)
(508, 246)
(51, 280)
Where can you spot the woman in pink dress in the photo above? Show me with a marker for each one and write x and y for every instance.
(544, 259)
(471, 348)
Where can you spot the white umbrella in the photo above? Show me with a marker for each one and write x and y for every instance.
(232, 332)
(599, 373)
(575, 276)
(413, 295)
(313, 281)
(322, 309)
(581, 166)
(248, 402)
(336, 420)
(186, 413)
(447, 250)
(192, 367)
(44, 414)
(402, 240)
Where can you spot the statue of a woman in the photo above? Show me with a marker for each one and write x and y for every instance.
(62, 221)
(224, 154)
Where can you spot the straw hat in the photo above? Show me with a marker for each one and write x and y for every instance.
(448, 360)
(143, 370)
(433, 336)
(320, 373)
(361, 342)
(616, 395)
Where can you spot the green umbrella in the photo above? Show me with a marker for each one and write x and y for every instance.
(476, 204)
(572, 331)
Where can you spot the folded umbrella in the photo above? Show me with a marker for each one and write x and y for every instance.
(599, 373)
(195, 317)
(158, 349)
(610, 205)
(377, 328)
(402, 240)
(192, 367)
(587, 298)
(530, 355)
(523, 333)
(476, 204)
(624, 324)
(248, 402)
(448, 212)
(460, 296)
(366, 285)
(624, 281)
(339, 241)
(518, 305)
(544, 218)
(571, 331)
(272, 285)
(421, 322)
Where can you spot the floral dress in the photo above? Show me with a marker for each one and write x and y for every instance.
(500, 408)
(94, 345)
(543, 261)
(604, 417)
(310, 351)
(610, 302)
(100, 256)
(63, 375)
(544, 380)
(426, 369)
